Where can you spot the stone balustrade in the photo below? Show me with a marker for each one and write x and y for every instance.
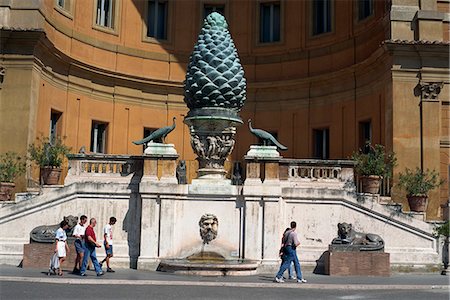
(99, 167)
(105, 167)
(120, 168)
(315, 170)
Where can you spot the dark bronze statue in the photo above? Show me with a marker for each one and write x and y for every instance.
(351, 240)
(46, 233)
(181, 172)
(159, 134)
(265, 137)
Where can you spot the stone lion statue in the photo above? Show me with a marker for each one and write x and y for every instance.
(208, 227)
(347, 236)
(46, 233)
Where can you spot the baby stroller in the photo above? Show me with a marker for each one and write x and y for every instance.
(54, 264)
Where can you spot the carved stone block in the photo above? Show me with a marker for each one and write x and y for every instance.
(37, 255)
(365, 263)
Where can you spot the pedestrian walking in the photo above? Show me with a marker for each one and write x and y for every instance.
(284, 256)
(90, 243)
(78, 233)
(290, 245)
(108, 243)
(61, 247)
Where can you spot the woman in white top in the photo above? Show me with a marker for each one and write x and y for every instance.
(61, 246)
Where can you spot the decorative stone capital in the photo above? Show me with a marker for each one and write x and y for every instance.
(430, 90)
(212, 148)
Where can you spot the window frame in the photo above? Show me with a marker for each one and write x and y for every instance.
(361, 135)
(105, 136)
(327, 144)
(169, 34)
(67, 10)
(357, 10)
(114, 30)
(58, 125)
(259, 3)
(312, 19)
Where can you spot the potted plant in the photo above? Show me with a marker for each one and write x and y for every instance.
(49, 156)
(417, 184)
(372, 165)
(11, 166)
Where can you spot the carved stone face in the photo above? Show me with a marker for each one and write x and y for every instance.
(71, 220)
(208, 227)
(344, 229)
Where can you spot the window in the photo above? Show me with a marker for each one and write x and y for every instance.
(157, 19)
(365, 9)
(321, 16)
(98, 137)
(64, 4)
(209, 8)
(105, 13)
(321, 143)
(61, 3)
(55, 125)
(270, 23)
(365, 134)
(65, 7)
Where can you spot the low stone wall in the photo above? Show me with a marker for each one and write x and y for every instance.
(159, 219)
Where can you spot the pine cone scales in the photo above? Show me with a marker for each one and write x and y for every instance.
(215, 77)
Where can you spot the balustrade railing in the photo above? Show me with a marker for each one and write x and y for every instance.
(100, 166)
(103, 166)
(310, 170)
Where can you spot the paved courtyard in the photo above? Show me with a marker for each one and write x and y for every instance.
(17, 283)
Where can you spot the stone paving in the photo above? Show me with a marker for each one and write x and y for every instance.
(410, 281)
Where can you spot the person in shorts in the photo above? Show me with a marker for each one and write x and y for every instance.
(61, 247)
(78, 234)
(108, 243)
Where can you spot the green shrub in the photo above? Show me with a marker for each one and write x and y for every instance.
(46, 153)
(11, 166)
(375, 162)
(443, 229)
(418, 182)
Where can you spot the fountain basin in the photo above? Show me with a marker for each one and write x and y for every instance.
(236, 267)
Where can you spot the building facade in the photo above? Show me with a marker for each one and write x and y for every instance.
(323, 76)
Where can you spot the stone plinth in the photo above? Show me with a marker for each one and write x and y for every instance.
(354, 263)
(212, 187)
(257, 151)
(160, 149)
(160, 167)
(265, 159)
(37, 255)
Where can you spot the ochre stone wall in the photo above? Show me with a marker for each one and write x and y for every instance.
(304, 82)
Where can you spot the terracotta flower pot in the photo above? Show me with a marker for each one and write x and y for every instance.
(6, 190)
(371, 184)
(418, 203)
(50, 176)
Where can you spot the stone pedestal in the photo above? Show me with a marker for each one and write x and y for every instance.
(160, 149)
(160, 163)
(257, 151)
(37, 255)
(262, 165)
(354, 263)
